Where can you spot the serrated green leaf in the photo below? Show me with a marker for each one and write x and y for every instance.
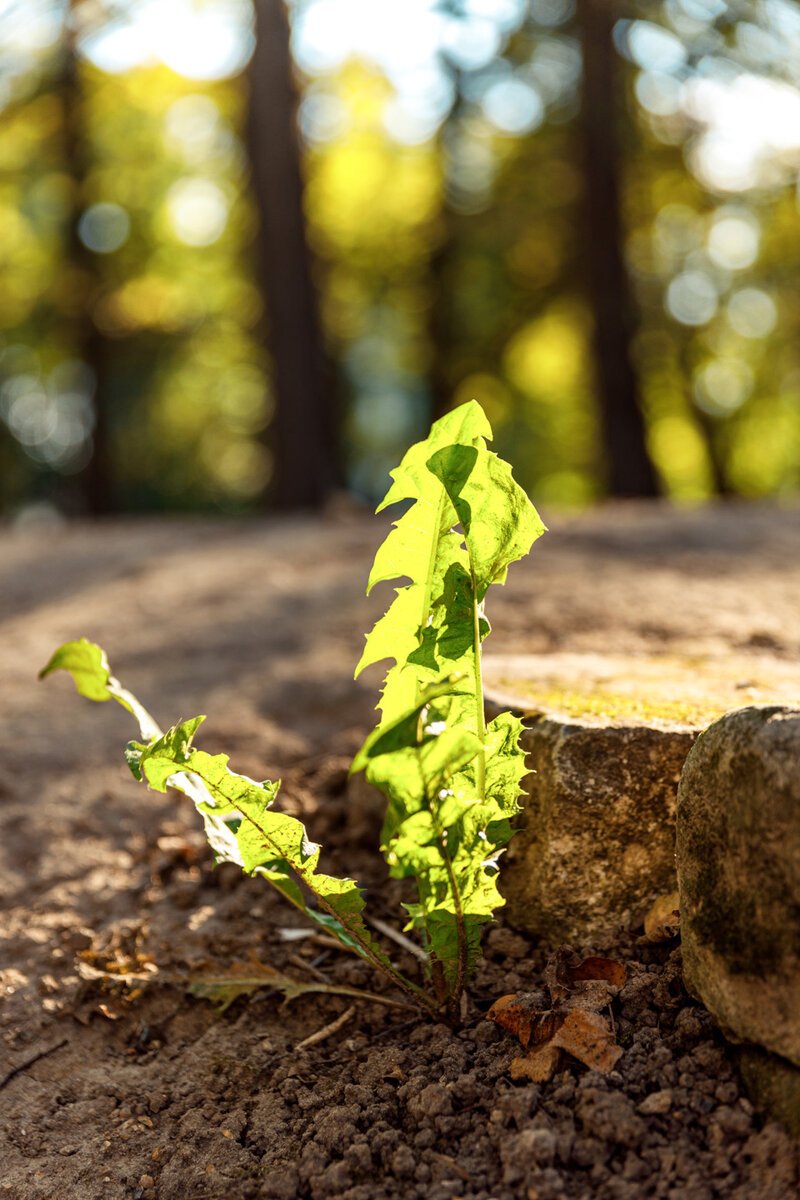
(499, 522)
(89, 667)
(423, 548)
(273, 844)
(236, 811)
(449, 811)
(419, 761)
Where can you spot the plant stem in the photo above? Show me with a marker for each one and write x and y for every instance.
(461, 932)
(411, 989)
(480, 721)
(426, 596)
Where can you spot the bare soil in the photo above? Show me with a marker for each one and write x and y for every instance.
(260, 625)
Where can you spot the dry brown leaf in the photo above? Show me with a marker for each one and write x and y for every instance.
(538, 1065)
(591, 994)
(588, 1037)
(592, 983)
(663, 921)
(555, 972)
(572, 1023)
(606, 969)
(523, 1015)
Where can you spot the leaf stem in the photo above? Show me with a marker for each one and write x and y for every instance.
(480, 721)
(426, 596)
(454, 997)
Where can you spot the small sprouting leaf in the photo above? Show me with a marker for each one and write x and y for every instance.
(88, 666)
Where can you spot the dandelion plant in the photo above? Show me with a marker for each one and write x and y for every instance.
(451, 781)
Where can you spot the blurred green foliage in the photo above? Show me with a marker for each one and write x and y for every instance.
(443, 202)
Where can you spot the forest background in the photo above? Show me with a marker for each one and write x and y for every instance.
(248, 250)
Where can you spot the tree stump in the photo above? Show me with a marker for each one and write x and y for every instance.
(606, 738)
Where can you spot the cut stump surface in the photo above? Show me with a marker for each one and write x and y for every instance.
(607, 736)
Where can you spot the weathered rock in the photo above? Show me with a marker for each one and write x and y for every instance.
(606, 738)
(738, 851)
(773, 1085)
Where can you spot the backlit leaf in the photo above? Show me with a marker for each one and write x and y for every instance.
(450, 799)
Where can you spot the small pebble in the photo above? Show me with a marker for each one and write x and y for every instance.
(656, 1103)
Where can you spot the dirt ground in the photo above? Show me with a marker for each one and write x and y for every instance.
(260, 625)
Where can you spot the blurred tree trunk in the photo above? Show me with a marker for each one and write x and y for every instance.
(707, 427)
(93, 486)
(304, 429)
(630, 471)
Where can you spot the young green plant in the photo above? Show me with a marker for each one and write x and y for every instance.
(451, 781)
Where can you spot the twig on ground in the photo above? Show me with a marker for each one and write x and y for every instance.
(309, 935)
(396, 936)
(297, 961)
(446, 1160)
(327, 1030)
(12, 1074)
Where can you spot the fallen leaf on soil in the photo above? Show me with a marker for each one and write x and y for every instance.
(538, 1065)
(222, 987)
(607, 969)
(518, 1014)
(588, 1037)
(663, 921)
(571, 1023)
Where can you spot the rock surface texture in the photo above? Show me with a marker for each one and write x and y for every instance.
(596, 841)
(738, 848)
(606, 737)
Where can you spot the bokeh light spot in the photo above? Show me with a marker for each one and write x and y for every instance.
(191, 127)
(658, 92)
(691, 298)
(104, 227)
(322, 117)
(654, 48)
(723, 385)
(198, 210)
(733, 240)
(752, 313)
(551, 12)
(513, 106)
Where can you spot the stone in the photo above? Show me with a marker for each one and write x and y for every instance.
(738, 854)
(656, 1104)
(773, 1085)
(606, 737)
